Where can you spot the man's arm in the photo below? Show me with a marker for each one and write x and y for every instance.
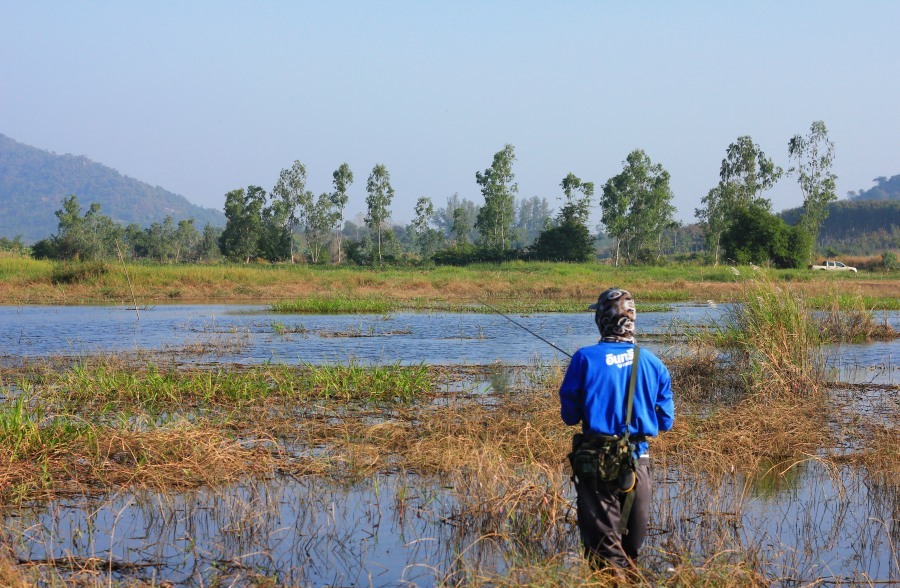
(571, 393)
(665, 404)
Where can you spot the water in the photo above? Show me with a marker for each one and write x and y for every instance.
(818, 523)
(253, 334)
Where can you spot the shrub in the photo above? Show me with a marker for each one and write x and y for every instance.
(75, 272)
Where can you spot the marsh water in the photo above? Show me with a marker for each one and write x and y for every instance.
(813, 523)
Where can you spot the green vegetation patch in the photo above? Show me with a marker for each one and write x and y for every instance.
(318, 305)
(113, 385)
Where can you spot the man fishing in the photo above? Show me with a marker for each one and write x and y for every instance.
(617, 412)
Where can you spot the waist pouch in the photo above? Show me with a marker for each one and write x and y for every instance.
(603, 459)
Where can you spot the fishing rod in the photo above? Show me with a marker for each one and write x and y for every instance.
(521, 326)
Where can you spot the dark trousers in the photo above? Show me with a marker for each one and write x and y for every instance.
(599, 514)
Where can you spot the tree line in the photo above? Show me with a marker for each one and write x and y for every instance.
(290, 223)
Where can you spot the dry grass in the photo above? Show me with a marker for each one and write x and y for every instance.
(29, 281)
(99, 458)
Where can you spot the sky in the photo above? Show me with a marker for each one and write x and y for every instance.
(203, 97)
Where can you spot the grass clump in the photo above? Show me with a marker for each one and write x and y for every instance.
(44, 455)
(774, 341)
(847, 319)
(320, 305)
(107, 384)
(76, 272)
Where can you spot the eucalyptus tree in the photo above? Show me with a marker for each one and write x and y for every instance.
(380, 194)
(637, 206)
(296, 200)
(426, 237)
(462, 225)
(319, 225)
(712, 220)
(495, 218)
(569, 239)
(243, 226)
(456, 220)
(532, 216)
(342, 178)
(276, 237)
(578, 198)
(814, 156)
(745, 173)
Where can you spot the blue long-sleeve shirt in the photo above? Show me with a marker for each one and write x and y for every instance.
(594, 392)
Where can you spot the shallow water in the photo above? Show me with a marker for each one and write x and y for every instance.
(813, 524)
(388, 531)
(254, 334)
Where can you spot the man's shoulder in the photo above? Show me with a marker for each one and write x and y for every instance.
(651, 358)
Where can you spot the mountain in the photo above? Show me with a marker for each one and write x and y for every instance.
(33, 183)
(857, 227)
(886, 189)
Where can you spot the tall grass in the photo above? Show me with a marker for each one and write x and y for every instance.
(771, 333)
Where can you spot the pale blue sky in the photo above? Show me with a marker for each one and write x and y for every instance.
(202, 97)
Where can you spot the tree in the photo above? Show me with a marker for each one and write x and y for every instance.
(378, 201)
(576, 207)
(755, 235)
(208, 246)
(637, 206)
(276, 235)
(569, 239)
(319, 225)
(746, 172)
(243, 227)
(712, 219)
(462, 225)
(532, 217)
(457, 219)
(160, 240)
(342, 178)
(89, 237)
(495, 218)
(290, 190)
(425, 236)
(814, 155)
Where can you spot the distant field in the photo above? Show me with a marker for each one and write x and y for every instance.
(511, 286)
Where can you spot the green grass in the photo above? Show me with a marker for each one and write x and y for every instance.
(318, 305)
(111, 386)
(29, 432)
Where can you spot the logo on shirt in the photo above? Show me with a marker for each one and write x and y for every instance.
(620, 360)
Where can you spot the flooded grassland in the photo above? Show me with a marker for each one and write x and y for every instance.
(220, 445)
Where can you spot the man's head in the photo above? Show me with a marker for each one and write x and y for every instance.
(615, 315)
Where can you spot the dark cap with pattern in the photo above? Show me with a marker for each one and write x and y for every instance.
(615, 315)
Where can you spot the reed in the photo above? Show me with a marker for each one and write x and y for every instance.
(774, 342)
(847, 318)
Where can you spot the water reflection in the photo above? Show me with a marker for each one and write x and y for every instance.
(392, 529)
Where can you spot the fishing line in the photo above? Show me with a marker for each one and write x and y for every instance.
(523, 327)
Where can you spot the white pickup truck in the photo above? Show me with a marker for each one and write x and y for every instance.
(833, 266)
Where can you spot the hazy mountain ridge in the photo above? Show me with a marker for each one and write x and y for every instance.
(884, 189)
(33, 183)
